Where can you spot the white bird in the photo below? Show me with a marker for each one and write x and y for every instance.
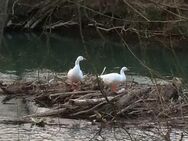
(113, 79)
(75, 74)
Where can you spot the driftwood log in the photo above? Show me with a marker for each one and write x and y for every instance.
(133, 95)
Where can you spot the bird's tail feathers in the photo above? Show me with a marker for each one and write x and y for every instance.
(103, 70)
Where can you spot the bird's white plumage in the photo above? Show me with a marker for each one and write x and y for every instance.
(75, 74)
(114, 78)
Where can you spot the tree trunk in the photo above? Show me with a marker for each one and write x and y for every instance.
(3, 16)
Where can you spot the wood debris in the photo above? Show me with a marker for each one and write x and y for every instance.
(93, 100)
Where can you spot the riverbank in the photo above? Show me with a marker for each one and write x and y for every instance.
(163, 21)
(26, 127)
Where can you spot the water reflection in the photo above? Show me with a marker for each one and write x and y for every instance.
(23, 51)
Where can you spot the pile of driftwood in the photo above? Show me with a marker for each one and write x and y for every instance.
(93, 100)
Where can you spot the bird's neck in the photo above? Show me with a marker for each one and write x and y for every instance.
(122, 73)
(123, 76)
(77, 62)
(77, 65)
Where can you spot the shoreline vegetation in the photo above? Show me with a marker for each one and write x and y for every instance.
(163, 20)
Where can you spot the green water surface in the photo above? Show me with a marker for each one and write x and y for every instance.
(22, 52)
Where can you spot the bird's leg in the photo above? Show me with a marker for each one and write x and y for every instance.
(73, 86)
(114, 88)
(76, 86)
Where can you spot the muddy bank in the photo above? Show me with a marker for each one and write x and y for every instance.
(161, 20)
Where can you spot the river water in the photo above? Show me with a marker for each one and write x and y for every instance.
(22, 55)
(23, 52)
